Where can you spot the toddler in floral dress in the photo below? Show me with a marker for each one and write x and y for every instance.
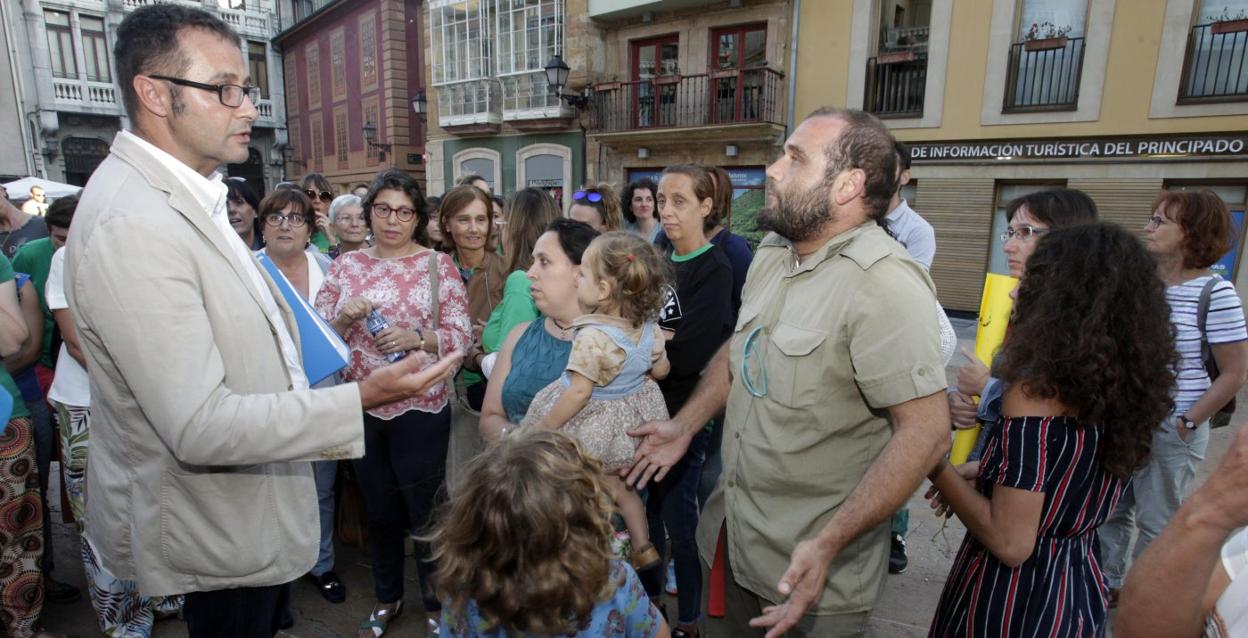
(608, 387)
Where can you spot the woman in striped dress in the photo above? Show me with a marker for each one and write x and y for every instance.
(1086, 377)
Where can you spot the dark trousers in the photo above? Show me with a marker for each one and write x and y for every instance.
(401, 475)
(246, 612)
(672, 510)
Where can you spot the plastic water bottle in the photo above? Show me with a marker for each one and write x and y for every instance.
(377, 323)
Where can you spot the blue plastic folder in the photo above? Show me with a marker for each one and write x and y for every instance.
(323, 351)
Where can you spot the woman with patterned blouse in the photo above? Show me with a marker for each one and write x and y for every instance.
(419, 292)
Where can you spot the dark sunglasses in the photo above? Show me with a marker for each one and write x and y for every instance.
(593, 196)
(326, 196)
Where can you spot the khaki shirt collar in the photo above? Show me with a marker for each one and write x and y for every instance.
(860, 243)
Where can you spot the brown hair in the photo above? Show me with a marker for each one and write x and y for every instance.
(529, 211)
(278, 200)
(456, 200)
(317, 181)
(1091, 328)
(721, 212)
(608, 207)
(636, 270)
(703, 187)
(864, 144)
(526, 536)
(1205, 221)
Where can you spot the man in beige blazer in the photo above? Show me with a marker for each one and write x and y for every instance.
(203, 425)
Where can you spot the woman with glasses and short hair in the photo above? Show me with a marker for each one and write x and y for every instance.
(321, 193)
(287, 221)
(419, 293)
(1187, 234)
(598, 206)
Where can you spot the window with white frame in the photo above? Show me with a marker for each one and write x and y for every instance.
(489, 54)
(461, 38)
(530, 33)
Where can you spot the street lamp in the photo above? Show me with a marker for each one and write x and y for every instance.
(557, 77)
(370, 138)
(420, 104)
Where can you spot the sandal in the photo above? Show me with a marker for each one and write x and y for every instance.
(432, 628)
(645, 557)
(380, 619)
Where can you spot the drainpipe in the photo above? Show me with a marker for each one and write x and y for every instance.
(792, 106)
(27, 148)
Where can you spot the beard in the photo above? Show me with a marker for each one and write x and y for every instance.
(797, 216)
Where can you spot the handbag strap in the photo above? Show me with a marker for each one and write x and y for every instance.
(435, 300)
(1202, 315)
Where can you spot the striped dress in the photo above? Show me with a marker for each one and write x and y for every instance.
(1058, 590)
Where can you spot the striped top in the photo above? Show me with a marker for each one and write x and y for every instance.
(1224, 324)
(1059, 589)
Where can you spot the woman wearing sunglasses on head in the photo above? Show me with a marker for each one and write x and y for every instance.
(318, 189)
(419, 293)
(598, 206)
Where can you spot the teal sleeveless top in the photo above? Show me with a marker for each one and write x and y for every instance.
(537, 360)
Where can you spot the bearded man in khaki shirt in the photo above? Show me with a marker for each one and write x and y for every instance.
(834, 386)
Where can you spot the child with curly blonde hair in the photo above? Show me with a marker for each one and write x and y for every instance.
(608, 387)
(523, 548)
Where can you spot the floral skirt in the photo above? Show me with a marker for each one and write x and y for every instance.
(602, 425)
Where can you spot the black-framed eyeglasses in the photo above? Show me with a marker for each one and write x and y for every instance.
(1023, 232)
(295, 220)
(383, 211)
(592, 196)
(231, 95)
(325, 196)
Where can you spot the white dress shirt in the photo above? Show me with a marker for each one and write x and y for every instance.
(211, 192)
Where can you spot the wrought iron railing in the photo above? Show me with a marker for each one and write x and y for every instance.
(1043, 75)
(895, 85)
(1216, 66)
(734, 96)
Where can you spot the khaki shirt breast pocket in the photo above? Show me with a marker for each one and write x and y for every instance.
(795, 360)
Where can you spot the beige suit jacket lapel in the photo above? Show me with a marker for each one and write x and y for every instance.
(181, 201)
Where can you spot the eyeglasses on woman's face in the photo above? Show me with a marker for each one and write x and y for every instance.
(294, 219)
(325, 196)
(1156, 221)
(1024, 232)
(404, 213)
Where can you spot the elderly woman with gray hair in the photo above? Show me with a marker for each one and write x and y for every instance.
(346, 217)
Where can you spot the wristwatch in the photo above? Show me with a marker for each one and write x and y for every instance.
(1185, 422)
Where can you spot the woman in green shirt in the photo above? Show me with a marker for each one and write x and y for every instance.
(530, 211)
(22, 582)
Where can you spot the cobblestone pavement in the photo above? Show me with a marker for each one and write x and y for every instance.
(905, 609)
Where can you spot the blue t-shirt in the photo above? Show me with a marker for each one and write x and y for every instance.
(626, 614)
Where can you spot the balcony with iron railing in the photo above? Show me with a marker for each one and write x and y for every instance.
(897, 76)
(1043, 75)
(895, 85)
(1216, 65)
(733, 96)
